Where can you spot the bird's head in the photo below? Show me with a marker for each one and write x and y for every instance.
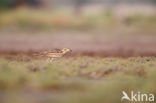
(65, 50)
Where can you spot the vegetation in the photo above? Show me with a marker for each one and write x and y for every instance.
(75, 79)
(46, 19)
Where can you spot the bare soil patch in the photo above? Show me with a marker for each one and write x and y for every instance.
(81, 44)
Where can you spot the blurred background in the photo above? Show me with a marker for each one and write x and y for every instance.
(89, 27)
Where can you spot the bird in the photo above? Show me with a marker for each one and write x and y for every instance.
(56, 53)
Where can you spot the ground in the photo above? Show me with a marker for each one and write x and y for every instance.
(100, 67)
(75, 79)
(82, 43)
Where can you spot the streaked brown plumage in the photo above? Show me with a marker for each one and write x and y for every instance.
(56, 53)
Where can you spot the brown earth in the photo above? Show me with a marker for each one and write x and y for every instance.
(81, 44)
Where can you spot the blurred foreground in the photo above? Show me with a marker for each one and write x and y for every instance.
(78, 80)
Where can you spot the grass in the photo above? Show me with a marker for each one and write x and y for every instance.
(75, 79)
(55, 20)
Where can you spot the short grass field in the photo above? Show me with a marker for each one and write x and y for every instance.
(75, 79)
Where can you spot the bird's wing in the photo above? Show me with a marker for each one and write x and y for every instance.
(55, 51)
(49, 53)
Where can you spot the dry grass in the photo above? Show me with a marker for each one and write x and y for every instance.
(53, 20)
(78, 80)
